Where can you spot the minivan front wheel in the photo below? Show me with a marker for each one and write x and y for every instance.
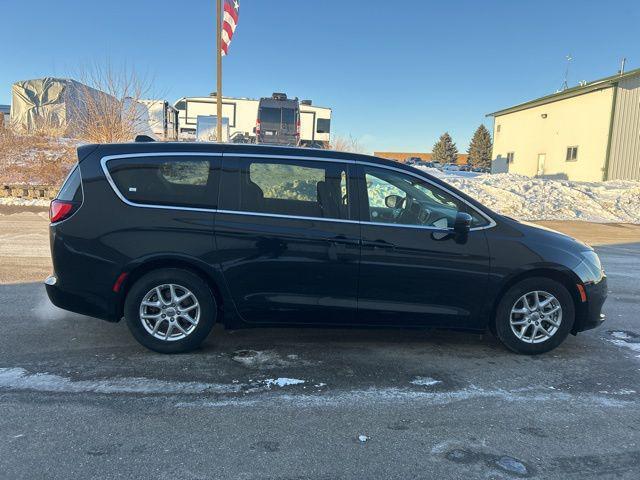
(170, 310)
(535, 316)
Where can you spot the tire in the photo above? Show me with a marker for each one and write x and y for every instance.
(176, 332)
(512, 309)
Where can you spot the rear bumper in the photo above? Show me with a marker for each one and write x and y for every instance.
(591, 315)
(80, 303)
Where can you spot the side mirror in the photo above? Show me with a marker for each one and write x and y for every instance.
(393, 201)
(462, 224)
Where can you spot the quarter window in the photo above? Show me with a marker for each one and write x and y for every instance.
(71, 190)
(164, 180)
(572, 154)
(396, 198)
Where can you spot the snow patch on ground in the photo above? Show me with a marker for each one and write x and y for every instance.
(283, 382)
(394, 395)
(626, 340)
(20, 379)
(424, 381)
(528, 198)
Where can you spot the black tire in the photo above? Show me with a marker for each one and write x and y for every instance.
(196, 285)
(503, 314)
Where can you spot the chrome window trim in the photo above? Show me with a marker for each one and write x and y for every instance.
(280, 215)
(291, 157)
(105, 159)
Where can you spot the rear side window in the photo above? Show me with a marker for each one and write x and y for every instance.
(286, 187)
(71, 190)
(180, 181)
(287, 182)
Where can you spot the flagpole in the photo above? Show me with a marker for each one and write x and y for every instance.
(219, 69)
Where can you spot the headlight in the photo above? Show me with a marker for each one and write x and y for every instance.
(593, 259)
(590, 269)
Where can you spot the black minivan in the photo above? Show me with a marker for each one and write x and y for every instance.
(177, 236)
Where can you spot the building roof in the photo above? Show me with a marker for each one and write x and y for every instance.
(568, 93)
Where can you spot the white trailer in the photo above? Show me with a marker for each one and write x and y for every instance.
(5, 116)
(242, 113)
(154, 118)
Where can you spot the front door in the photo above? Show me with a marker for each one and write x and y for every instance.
(413, 270)
(288, 249)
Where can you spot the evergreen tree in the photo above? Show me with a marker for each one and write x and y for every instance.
(445, 151)
(480, 148)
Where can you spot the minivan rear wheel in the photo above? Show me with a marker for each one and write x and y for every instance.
(170, 310)
(534, 316)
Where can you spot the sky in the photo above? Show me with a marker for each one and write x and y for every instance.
(397, 74)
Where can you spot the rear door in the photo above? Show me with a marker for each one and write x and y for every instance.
(413, 270)
(288, 246)
(270, 120)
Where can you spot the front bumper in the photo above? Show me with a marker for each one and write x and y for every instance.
(84, 304)
(590, 315)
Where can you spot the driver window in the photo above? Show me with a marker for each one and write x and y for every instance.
(401, 199)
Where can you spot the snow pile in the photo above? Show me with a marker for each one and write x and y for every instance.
(528, 198)
(24, 202)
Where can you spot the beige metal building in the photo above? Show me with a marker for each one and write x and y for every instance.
(588, 133)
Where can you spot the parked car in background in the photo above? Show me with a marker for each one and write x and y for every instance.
(465, 167)
(451, 167)
(174, 237)
(413, 161)
(481, 170)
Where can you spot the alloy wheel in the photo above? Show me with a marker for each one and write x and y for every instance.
(169, 312)
(536, 316)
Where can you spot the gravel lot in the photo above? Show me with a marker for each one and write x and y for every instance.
(81, 399)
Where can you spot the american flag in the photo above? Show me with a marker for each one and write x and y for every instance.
(229, 23)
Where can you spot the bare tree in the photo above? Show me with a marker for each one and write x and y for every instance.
(108, 109)
(346, 144)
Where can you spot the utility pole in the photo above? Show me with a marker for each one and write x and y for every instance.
(219, 68)
(565, 84)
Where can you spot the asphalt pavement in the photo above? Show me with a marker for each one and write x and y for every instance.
(81, 399)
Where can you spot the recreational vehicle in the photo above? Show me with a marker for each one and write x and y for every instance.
(242, 115)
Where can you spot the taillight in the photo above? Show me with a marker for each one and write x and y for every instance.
(258, 127)
(59, 210)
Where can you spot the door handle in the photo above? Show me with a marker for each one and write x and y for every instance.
(378, 244)
(342, 240)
